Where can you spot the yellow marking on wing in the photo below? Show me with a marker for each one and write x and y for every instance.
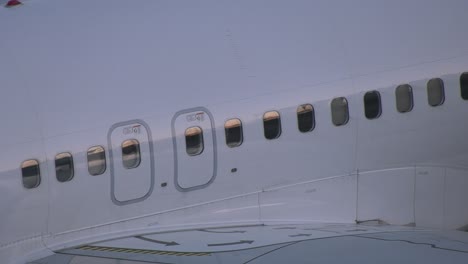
(143, 251)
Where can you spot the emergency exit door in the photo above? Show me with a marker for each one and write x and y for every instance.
(131, 162)
(195, 154)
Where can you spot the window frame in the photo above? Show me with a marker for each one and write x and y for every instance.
(411, 98)
(464, 85)
(379, 100)
(38, 175)
(104, 167)
(312, 111)
(201, 142)
(138, 153)
(279, 128)
(71, 164)
(442, 91)
(241, 134)
(334, 119)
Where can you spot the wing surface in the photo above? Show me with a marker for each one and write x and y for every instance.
(313, 243)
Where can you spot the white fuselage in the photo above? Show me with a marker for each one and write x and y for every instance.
(77, 74)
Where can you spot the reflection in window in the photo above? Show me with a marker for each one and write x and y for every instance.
(404, 98)
(435, 92)
(464, 85)
(340, 112)
(272, 125)
(372, 105)
(305, 118)
(31, 174)
(131, 153)
(233, 131)
(194, 141)
(96, 160)
(64, 167)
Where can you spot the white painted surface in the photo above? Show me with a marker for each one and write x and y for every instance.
(387, 196)
(429, 197)
(72, 69)
(329, 200)
(296, 243)
(24, 212)
(456, 198)
(212, 240)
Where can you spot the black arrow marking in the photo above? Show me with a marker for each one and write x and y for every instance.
(322, 230)
(300, 235)
(411, 242)
(281, 228)
(231, 243)
(173, 243)
(222, 232)
(357, 230)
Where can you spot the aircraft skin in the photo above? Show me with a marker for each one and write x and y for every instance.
(78, 74)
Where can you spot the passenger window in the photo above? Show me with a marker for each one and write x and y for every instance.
(31, 174)
(131, 157)
(233, 131)
(272, 125)
(64, 167)
(372, 105)
(340, 112)
(194, 141)
(96, 160)
(464, 85)
(404, 98)
(305, 118)
(435, 92)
